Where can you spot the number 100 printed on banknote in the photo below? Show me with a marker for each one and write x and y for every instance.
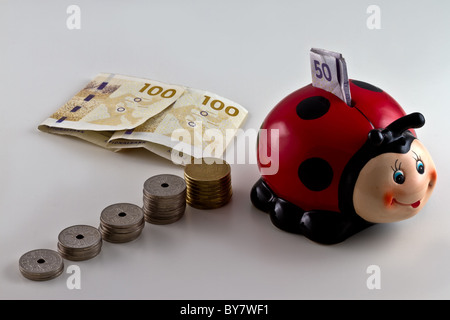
(116, 111)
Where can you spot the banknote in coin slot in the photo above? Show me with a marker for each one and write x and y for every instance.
(329, 72)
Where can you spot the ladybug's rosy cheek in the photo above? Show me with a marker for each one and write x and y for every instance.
(433, 178)
(388, 199)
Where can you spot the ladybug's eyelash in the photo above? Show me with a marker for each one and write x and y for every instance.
(395, 168)
(417, 157)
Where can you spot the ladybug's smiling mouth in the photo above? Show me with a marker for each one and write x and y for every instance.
(414, 205)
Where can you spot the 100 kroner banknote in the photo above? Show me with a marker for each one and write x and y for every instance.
(116, 111)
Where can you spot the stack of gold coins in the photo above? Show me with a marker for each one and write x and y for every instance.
(208, 183)
(164, 199)
(121, 222)
(41, 264)
(79, 242)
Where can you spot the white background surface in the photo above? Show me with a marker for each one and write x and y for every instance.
(252, 52)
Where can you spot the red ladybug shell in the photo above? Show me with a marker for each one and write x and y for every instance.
(318, 134)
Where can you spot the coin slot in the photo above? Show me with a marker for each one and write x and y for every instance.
(122, 214)
(164, 185)
(79, 237)
(41, 261)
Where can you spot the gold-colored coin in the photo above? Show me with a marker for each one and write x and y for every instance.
(208, 205)
(207, 171)
(208, 184)
(214, 196)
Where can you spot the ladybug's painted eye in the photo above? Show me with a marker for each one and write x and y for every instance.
(399, 177)
(420, 166)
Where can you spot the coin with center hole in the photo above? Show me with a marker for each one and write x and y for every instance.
(164, 185)
(164, 199)
(41, 264)
(79, 242)
(121, 222)
(122, 215)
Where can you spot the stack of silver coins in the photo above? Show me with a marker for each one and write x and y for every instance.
(41, 264)
(79, 242)
(164, 199)
(121, 222)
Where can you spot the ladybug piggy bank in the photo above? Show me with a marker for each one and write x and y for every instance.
(340, 168)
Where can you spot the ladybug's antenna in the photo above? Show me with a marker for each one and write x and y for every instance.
(396, 129)
(414, 120)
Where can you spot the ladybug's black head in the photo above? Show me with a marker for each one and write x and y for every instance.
(396, 137)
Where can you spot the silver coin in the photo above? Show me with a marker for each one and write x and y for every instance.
(79, 237)
(111, 229)
(157, 207)
(79, 255)
(164, 185)
(162, 221)
(122, 216)
(121, 222)
(79, 242)
(41, 264)
(115, 237)
(164, 199)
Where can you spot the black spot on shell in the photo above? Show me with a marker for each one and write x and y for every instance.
(366, 86)
(315, 173)
(313, 107)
